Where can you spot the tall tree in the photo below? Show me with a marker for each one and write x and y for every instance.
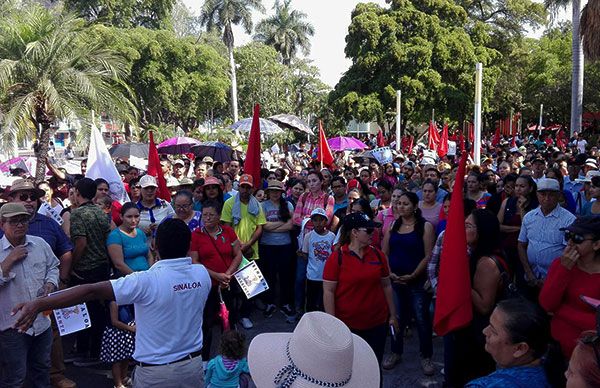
(124, 13)
(577, 56)
(51, 70)
(222, 15)
(287, 31)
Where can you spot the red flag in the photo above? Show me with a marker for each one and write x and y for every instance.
(461, 141)
(454, 308)
(252, 162)
(496, 139)
(442, 148)
(155, 170)
(434, 137)
(407, 144)
(324, 154)
(380, 139)
(513, 143)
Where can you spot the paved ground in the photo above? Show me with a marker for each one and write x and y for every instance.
(406, 374)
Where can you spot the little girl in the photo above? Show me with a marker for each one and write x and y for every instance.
(118, 342)
(224, 371)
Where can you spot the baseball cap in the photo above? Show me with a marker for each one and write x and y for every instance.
(147, 181)
(547, 184)
(588, 176)
(178, 161)
(13, 209)
(583, 225)
(319, 212)
(247, 179)
(208, 160)
(359, 220)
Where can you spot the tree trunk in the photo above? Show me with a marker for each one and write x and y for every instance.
(40, 169)
(234, 101)
(577, 72)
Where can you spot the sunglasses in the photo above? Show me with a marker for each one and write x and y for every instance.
(367, 230)
(24, 197)
(18, 221)
(576, 238)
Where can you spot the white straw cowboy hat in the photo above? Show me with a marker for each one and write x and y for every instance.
(321, 352)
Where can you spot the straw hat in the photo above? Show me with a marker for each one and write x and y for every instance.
(321, 352)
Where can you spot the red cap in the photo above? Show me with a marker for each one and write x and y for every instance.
(247, 179)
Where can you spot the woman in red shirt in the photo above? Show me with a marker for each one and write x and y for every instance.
(356, 284)
(575, 273)
(217, 248)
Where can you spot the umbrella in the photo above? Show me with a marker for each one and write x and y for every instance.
(127, 150)
(365, 158)
(177, 145)
(218, 151)
(266, 127)
(292, 122)
(223, 312)
(342, 143)
(18, 162)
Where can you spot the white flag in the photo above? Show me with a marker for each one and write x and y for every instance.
(100, 165)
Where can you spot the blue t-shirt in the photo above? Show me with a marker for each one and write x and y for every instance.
(135, 249)
(272, 215)
(518, 376)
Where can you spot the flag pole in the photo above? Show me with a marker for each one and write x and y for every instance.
(540, 122)
(398, 120)
(477, 114)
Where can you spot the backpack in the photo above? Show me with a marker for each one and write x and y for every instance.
(509, 288)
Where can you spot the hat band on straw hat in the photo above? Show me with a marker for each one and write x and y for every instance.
(289, 373)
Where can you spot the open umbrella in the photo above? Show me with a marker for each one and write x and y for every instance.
(177, 145)
(292, 122)
(215, 149)
(223, 312)
(342, 143)
(266, 127)
(127, 150)
(365, 158)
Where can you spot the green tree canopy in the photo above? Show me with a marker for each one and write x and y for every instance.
(124, 13)
(176, 81)
(419, 47)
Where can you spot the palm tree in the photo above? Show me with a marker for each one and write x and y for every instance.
(577, 57)
(222, 15)
(51, 69)
(286, 31)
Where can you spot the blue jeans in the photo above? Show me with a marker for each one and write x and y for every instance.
(300, 291)
(22, 355)
(413, 300)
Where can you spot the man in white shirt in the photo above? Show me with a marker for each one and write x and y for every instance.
(169, 300)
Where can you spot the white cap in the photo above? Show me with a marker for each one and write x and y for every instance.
(147, 181)
(319, 212)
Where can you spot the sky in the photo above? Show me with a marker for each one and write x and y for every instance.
(331, 19)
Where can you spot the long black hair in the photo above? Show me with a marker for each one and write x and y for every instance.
(420, 221)
(488, 232)
(284, 210)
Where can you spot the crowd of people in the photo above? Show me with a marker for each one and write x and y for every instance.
(360, 241)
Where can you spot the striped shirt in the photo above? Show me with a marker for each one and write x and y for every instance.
(309, 202)
(545, 241)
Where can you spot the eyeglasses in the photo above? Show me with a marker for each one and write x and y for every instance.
(183, 207)
(137, 187)
(18, 221)
(25, 197)
(576, 238)
(367, 230)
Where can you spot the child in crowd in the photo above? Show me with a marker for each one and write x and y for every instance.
(118, 342)
(317, 247)
(260, 195)
(227, 370)
(105, 203)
